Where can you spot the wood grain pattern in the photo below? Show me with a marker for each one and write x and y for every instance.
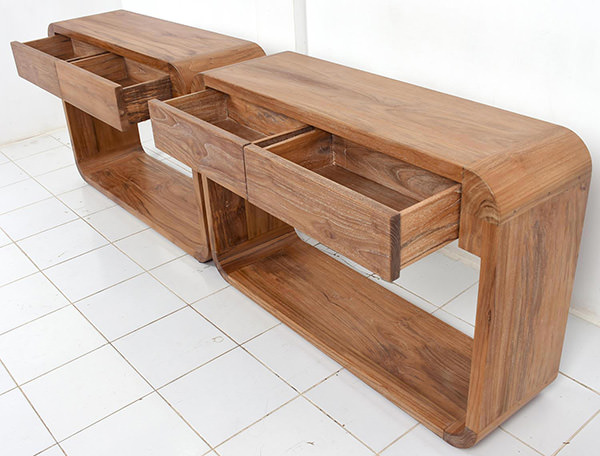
(302, 180)
(114, 163)
(178, 49)
(208, 130)
(35, 60)
(331, 213)
(432, 130)
(521, 185)
(378, 335)
(93, 94)
(527, 272)
(110, 89)
(199, 144)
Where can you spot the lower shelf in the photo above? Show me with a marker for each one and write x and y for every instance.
(154, 192)
(415, 360)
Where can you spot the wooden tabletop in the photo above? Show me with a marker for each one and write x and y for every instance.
(439, 132)
(157, 42)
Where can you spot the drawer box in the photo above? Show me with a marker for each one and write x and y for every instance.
(107, 86)
(377, 210)
(112, 88)
(36, 60)
(208, 130)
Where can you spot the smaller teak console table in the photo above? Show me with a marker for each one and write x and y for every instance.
(385, 173)
(381, 171)
(106, 67)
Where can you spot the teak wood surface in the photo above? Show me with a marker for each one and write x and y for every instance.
(381, 171)
(386, 172)
(106, 67)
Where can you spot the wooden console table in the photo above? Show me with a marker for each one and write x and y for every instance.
(386, 172)
(381, 171)
(106, 67)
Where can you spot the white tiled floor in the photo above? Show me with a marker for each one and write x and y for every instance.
(113, 341)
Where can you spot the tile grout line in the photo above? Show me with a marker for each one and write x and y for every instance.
(240, 345)
(32, 406)
(398, 438)
(568, 442)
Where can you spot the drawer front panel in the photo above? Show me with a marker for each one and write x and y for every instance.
(93, 94)
(200, 145)
(36, 66)
(361, 229)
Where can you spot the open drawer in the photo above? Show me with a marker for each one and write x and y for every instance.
(36, 60)
(375, 209)
(110, 87)
(208, 130)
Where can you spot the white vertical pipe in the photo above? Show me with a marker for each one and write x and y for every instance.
(300, 26)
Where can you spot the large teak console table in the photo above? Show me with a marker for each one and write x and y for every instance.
(106, 67)
(386, 172)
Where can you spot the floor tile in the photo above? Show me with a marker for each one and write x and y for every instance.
(298, 428)
(92, 272)
(306, 238)
(52, 451)
(6, 383)
(3, 158)
(14, 264)
(421, 441)
(437, 278)
(236, 314)
(361, 410)
(28, 147)
(21, 194)
(145, 131)
(586, 442)
(464, 306)
(148, 427)
(86, 200)
(4, 239)
(115, 223)
(10, 174)
(46, 343)
(455, 322)
(27, 299)
(149, 249)
(190, 279)
(173, 346)
(35, 218)
(292, 357)
(226, 395)
(407, 295)
(581, 352)
(62, 180)
(554, 415)
(62, 135)
(84, 391)
(153, 151)
(47, 161)
(129, 305)
(22, 433)
(61, 243)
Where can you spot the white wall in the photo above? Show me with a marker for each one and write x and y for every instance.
(269, 23)
(534, 57)
(26, 109)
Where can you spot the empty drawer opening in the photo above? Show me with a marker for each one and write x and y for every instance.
(121, 70)
(387, 180)
(375, 209)
(113, 88)
(65, 48)
(243, 119)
